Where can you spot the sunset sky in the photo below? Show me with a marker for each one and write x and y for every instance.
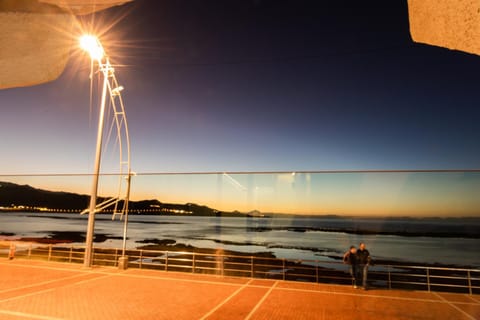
(380, 194)
(221, 86)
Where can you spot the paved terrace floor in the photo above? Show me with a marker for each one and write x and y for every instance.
(49, 290)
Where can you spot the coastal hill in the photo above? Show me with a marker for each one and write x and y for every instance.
(15, 197)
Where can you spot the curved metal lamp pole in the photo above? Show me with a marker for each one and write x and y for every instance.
(93, 46)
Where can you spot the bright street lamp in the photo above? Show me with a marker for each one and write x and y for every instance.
(93, 47)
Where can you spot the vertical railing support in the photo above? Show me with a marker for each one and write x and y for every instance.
(252, 274)
(428, 279)
(70, 254)
(284, 271)
(141, 258)
(49, 252)
(30, 251)
(193, 262)
(469, 283)
(317, 274)
(389, 277)
(166, 260)
(222, 261)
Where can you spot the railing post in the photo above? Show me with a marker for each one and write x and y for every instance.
(141, 258)
(30, 251)
(428, 279)
(49, 251)
(316, 273)
(166, 260)
(469, 282)
(222, 258)
(283, 262)
(389, 277)
(193, 262)
(252, 274)
(70, 254)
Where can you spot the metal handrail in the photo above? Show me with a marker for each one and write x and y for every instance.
(390, 276)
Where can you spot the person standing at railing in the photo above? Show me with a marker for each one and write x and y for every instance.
(350, 258)
(363, 259)
(11, 251)
(219, 257)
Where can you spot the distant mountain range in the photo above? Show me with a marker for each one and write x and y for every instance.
(15, 197)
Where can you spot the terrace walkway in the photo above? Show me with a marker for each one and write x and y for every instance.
(31, 289)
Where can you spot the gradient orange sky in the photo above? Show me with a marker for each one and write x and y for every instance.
(417, 194)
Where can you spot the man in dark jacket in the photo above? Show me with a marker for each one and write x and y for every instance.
(350, 258)
(363, 260)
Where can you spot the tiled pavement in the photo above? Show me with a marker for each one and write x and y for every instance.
(48, 291)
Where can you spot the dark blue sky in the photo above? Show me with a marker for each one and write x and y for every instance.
(259, 86)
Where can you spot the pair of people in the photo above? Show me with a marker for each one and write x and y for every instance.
(359, 260)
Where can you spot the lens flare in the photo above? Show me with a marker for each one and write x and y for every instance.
(90, 44)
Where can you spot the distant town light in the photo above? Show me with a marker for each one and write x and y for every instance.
(90, 44)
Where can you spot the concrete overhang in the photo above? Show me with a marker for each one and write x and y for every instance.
(453, 24)
(36, 37)
(80, 7)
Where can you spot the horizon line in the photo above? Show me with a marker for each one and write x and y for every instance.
(248, 172)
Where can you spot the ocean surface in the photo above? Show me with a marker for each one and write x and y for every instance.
(418, 241)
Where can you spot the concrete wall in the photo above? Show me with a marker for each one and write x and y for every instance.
(36, 37)
(79, 7)
(453, 24)
(34, 47)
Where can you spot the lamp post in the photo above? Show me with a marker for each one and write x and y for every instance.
(94, 48)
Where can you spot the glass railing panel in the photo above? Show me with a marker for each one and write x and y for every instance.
(414, 217)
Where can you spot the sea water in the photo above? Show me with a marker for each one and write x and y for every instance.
(419, 241)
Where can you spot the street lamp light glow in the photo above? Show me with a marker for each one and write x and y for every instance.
(90, 44)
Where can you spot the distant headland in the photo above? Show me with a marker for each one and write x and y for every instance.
(15, 197)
